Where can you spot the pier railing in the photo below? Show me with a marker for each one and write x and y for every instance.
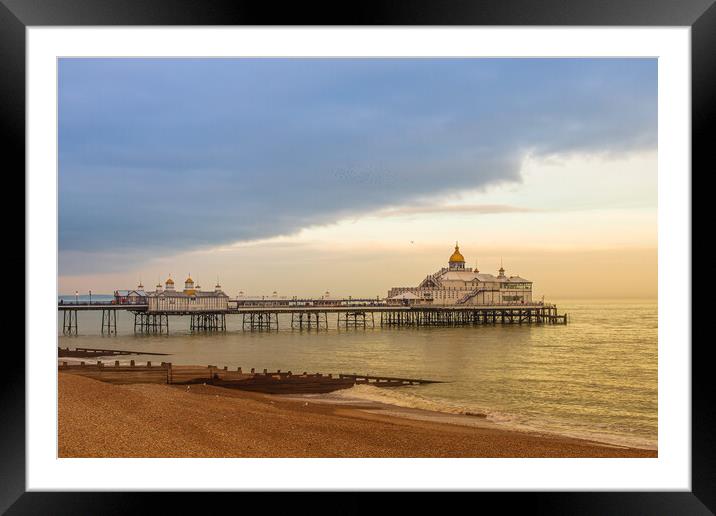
(89, 303)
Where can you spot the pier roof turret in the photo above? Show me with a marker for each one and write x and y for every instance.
(457, 260)
(457, 256)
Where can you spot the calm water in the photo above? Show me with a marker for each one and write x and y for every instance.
(594, 378)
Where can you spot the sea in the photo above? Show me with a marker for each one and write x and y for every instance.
(594, 378)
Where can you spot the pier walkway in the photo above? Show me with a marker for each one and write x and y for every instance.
(316, 317)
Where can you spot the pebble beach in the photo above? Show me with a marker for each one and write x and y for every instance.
(97, 419)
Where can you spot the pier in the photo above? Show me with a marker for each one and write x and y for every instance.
(316, 317)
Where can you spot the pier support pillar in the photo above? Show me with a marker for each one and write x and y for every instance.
(69, 322)
(109, 322)
(309, 320)
(259, 321)
(356, 319)
(208, 322)
(151, 323)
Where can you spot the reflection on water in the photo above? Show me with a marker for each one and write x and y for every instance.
(595, 377)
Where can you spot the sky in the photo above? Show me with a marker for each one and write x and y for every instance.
(352, 176)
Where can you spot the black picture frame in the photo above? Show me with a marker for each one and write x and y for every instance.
(700, 15)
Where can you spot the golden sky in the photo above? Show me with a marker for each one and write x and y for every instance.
(580, 226)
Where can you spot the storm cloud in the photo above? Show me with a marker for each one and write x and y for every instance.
(177, 154)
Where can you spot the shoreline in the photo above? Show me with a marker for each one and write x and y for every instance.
(97, 419)
(474, 420)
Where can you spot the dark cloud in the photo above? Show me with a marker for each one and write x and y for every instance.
(176, 154)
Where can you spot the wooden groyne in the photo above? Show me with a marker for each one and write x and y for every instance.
(96, 352)
(271, 382)
(385, 381)
(121, 374)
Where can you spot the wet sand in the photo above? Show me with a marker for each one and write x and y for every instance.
(97, 419)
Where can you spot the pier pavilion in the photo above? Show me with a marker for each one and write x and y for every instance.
(190, 299)
(457, 284)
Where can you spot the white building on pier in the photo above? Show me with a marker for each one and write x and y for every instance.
(191, 299)
(460, 285)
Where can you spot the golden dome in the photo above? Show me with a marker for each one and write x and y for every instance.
(189, 280)
(170, 281)
(456, 256)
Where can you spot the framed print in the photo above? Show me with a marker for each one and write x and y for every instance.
(423, 248)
